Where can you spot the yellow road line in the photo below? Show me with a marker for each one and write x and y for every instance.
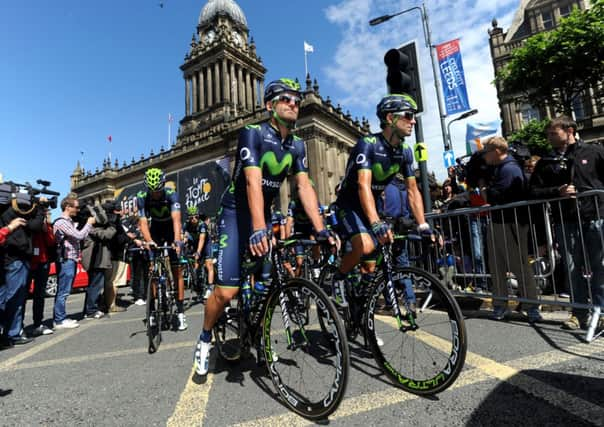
(485, 369)
(190, 409)
(96, 356)
(44, 346)
(364, 403)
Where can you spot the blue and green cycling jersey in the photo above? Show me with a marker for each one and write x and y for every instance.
(159, 210)
(260, 146)
(384, 161)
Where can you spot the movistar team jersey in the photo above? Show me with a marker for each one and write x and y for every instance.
(260, 146)
(158, 210)
(375, 154)
(195, 230)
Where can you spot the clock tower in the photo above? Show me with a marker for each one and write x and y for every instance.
(224, 78)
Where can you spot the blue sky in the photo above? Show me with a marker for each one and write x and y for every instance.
(74, 72)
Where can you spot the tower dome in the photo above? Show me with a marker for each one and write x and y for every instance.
(222, 7)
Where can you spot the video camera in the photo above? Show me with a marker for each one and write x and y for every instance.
(88, 211)
(25, 197)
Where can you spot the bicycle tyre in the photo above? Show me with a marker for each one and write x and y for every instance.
(153, 330)
(325, 351)
(429, 359)
(226, 333)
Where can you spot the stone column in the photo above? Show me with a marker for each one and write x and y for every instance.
(254, 92)
(233, 85)
(248, 92)
(226, 90)
(240, 87)
(195, 107)
(261, 94)
(202, 94)
(187, 96)
(217, 97)
(210, 86)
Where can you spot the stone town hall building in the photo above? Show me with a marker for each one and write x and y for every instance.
(224, 85)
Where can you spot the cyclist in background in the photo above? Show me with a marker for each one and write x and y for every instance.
(373, 163)
(160, 204)
(298, 222)
(204, 252)
(266, 154)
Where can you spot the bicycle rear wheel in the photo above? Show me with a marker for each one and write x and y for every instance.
(422, 353)
(308, 365)
(226, 333)
(154, 316)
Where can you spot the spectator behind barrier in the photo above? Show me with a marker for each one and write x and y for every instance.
(574, 167)
(507, 236)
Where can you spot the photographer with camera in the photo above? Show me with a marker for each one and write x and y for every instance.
(68, 239)
(8, 229)
(17, 250)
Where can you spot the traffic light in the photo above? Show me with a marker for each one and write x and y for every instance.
(403, 72)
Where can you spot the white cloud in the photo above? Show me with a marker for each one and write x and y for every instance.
(358, 71)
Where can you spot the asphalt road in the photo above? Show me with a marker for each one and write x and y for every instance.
(101, 375)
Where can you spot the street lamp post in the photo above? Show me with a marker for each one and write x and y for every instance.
(465, 115)
(428, 40)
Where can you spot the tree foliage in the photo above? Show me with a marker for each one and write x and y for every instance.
(554, 67)
(533, 136)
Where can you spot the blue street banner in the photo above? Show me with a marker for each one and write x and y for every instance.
(452, 77)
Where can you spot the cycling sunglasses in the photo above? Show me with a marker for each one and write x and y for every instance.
(409, 115)
(288, 99)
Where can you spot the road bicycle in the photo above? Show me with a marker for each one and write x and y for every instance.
(420, 346)
(308, 364)
(161, 298)
(194, 280)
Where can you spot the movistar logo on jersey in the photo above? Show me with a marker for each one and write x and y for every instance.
(160, 212)
(380, 174)
(223, 241)
(275, 167)
(141, 194)
(370, 139)
(252, 126)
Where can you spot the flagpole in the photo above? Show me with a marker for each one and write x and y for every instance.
(169, 131)
(305, 64)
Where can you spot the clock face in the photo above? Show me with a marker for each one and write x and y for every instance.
(236, 38)
(210, 35)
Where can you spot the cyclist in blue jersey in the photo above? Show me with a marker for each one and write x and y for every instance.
(160, 204)
(373, 163)
(266, 154)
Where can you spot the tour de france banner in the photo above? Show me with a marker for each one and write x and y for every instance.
(452, 77)
(201, 186)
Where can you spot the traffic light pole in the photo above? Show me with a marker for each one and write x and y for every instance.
(428, 37)
(423, 167)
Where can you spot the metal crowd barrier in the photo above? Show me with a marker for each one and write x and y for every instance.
(522, 252)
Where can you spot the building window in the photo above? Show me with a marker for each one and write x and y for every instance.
(565, 10)
(548, 20)
(528, 113)
(579, 107)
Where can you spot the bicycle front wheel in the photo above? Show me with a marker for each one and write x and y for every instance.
(307, 364)
(424, 350)
(154, 316)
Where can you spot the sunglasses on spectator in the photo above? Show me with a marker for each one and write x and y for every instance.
(409, 115)
(288, 99)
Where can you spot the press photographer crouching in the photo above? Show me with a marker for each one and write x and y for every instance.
(96, 259)
(68, 238)
(16, 254)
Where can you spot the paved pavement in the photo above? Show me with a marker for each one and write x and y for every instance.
(101, 374)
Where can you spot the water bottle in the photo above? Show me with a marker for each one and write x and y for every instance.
(246, 295)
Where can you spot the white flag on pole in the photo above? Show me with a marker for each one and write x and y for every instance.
(308, 48)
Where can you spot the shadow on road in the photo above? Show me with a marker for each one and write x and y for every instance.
(5, 392)
(511, 403)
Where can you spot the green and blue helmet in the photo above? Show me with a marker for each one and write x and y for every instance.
(155, 179)
(394, 103)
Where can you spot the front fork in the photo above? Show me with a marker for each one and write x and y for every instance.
(391, 292)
